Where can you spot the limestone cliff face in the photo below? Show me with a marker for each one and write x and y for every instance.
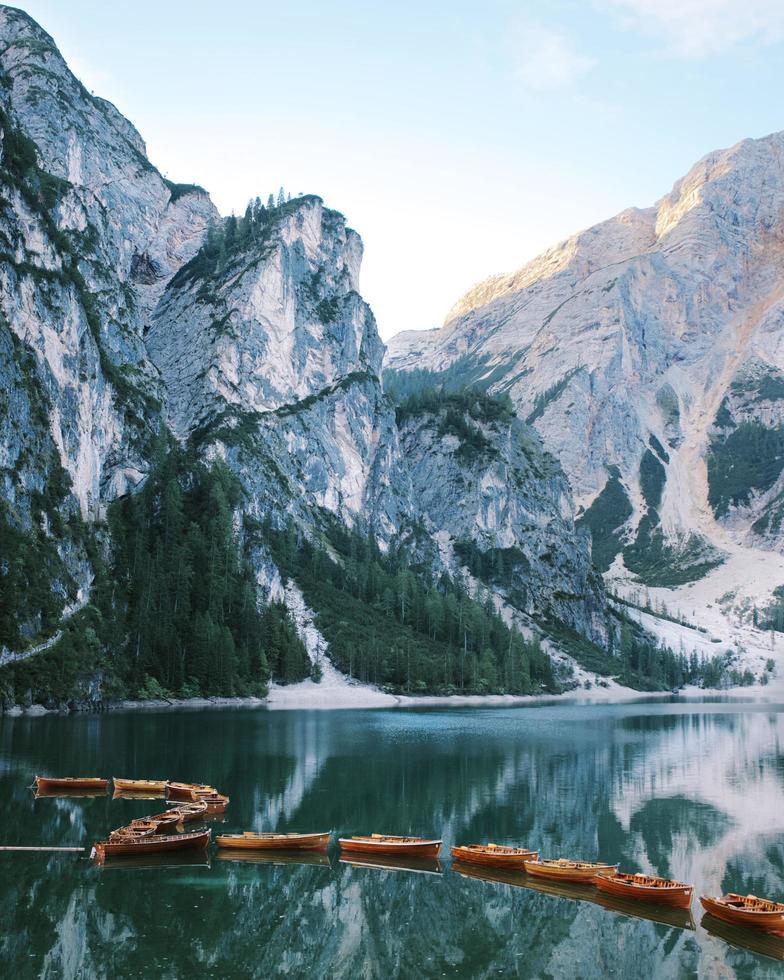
(660, 327)
(128, 304)
(500, 506)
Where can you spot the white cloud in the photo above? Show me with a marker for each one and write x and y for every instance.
(699, 28)
(546, 59)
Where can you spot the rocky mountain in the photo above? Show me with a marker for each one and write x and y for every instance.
(130, 310)
(647, 353)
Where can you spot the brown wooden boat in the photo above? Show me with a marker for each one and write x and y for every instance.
(494, 855)
(746, 910)
(140, 832)
(390, 844)
(758, 941)
(269, 842)
(139, 785)
(646, 888)
(152, 844)
(163, 823)
(216, 802)
(65, 783)
(562, 869)
(190, 811)
(185, 791)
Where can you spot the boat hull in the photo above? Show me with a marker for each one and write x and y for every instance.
(514, 862)
(678, 897)
(555, 872)
(139, 785)
(185, 791)
(63, 785)
(366, 845)
(152, 845)
(768, 921)
(191, 811)
(277, 842)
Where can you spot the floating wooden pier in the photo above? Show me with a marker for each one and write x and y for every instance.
(38, 848)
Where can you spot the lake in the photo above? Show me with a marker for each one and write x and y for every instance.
(687, 790)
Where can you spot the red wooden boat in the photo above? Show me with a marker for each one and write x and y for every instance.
(494, 855)
(565, 870)
(645, 888)
(746, 910)
(152, 844)
(65, 783)
(185, 791)
(390, 844)
(269, 842)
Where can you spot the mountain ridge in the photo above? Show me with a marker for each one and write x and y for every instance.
(131, 310)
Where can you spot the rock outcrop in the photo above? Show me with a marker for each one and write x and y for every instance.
(647, 353)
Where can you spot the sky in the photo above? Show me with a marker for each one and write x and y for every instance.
(460, 139)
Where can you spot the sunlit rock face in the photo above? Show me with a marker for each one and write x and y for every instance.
(663, 322)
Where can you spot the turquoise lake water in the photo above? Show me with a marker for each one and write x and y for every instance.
(687, 790)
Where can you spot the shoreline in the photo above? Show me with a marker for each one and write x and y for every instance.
(370, 698)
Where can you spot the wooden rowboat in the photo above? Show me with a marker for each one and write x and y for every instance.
(139, 785)
(152, 844)
(190, 811)
(565, 870)
(390, 844)
(185, 791)
(646, 888)
(494, 855)
(162, 823)
(166, 822)
(269, 842)
(64, 784)
(746, 910)
(216, 802)
(140, 832)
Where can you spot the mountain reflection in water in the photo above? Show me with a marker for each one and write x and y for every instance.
(692, 791)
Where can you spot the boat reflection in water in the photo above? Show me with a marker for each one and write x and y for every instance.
(319, 858)
(559, 889)
(68, 794)
(156, 862)
(755, 940)
(677, 918)
(386, 862)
